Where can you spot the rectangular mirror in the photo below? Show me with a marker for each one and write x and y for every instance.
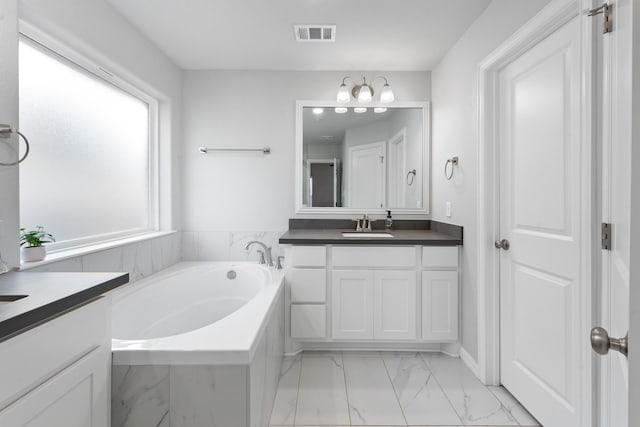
(352, 162)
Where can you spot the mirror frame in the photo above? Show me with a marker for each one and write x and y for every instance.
(426, 169)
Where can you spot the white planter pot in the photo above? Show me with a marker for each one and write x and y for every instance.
(34, 253)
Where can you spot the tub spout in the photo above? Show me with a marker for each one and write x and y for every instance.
(267, 251)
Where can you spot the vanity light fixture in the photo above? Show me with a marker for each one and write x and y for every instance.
(341, 110)
(360, 110)
(364, 92)
(318, 110)
(379, 110)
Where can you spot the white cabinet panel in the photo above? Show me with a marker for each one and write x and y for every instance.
(75, 397)
(440, 305)
(307, 285)
(374, 256)
(442, 257)
(308, 256)
(308, 321)
(352, 304)
(395, 305)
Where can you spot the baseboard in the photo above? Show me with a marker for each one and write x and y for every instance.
(470, 362)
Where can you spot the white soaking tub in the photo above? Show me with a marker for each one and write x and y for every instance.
(200, 341)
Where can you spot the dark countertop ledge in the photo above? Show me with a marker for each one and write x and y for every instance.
(48, 295)
(400, 237)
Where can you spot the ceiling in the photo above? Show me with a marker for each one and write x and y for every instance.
(329, 127)
(382, 35)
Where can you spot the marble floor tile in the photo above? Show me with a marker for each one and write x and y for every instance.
(372, 400)
(513, 407)
(421, 398)
(322, 396)
(473, 402)
(284, 406)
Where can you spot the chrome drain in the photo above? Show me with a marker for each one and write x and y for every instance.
(231, 274)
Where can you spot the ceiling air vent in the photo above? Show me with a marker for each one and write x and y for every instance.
(315, 33)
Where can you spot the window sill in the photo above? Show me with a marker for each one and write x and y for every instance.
(89, 249)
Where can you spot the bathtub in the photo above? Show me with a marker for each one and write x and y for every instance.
(199, 341)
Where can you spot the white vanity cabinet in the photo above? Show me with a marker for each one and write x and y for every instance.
(58, 373)
(306, 278)
(369, 304)
(342, 293)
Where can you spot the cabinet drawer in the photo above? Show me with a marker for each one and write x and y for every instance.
(308, 256)
(370, 256)
(307, 285)
(441, 257)
(308, 321)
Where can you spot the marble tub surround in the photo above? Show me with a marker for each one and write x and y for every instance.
(197, 395)
(139, 259)
(227, 245)
(389, 389)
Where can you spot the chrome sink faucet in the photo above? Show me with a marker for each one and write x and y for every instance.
(363, 225)
(267, 251)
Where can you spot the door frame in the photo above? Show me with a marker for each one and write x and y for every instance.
(399, 137)
(553, 16)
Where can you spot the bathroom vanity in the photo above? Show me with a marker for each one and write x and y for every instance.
(55, 348)
(371, 292)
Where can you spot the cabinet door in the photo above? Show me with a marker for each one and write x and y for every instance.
(307, 285)
(352, 304)
(395, 305)
(75, 397)
(308, 321)
(440, 305)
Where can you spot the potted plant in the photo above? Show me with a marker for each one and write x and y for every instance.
(34, 241)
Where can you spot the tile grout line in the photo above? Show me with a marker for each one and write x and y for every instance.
(346, 393)
(295, 410)
(435, 378)
(394, 388)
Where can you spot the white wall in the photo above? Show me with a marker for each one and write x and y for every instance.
(231, 193)
(9, 221)
(96, 31)
(455, 134)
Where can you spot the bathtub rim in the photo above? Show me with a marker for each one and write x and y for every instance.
(214, 344)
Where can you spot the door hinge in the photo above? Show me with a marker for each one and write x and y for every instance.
(605, 10)
(606, 236)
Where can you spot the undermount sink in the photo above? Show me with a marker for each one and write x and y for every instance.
(367, 235)
(5, 299)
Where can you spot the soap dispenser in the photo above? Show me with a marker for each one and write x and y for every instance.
(389, 221)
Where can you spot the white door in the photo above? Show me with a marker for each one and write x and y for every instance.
(75, 397)
(367, 175)
(396, 193)
(440, 305)
(616, 191)
(394, 299)
(352, 304)
(541, 215)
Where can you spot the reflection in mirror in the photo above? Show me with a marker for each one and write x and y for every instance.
(367, 160)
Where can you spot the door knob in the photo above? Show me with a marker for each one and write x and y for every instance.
(502, 244)
(601, 342)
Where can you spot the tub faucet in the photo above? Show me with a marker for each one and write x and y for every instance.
(267, 251)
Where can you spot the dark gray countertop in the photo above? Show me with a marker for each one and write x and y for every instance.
(48, 295)
(400, 237)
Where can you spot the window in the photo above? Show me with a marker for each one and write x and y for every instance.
(89, 175)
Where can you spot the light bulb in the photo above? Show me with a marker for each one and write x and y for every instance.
(343, 94)
(341, 110)
(387, 94)
(380, 110)
(365, 93)
(359, 110)
(318, 110)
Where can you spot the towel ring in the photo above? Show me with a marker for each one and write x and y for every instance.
(6, 130)
(454, 163)
(411, 172)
